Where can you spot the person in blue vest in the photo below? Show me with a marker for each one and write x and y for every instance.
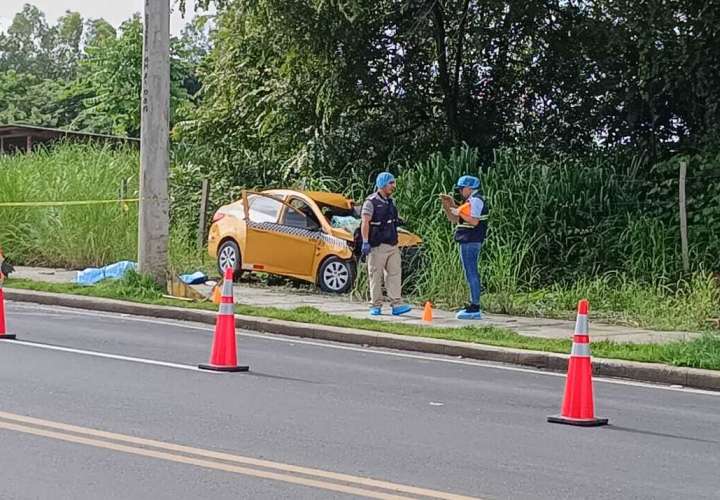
(470, 233)
(379, 225)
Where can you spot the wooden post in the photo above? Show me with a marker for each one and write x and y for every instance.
(28, 144)
(204, 199)
(2, 145)
(683, 217)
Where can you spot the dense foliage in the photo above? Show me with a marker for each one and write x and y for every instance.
(84, 74)
(326, 87)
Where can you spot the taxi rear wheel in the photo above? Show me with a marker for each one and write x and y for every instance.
(228, 255)
(336, 275)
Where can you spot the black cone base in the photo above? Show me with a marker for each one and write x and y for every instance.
(216, 368)
(580, 422)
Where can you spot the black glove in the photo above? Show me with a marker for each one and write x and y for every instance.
(6, 268)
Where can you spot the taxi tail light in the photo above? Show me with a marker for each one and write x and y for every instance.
(218, 216)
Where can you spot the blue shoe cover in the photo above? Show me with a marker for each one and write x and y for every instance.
(375, 311)
(466, 315)
(398, 310)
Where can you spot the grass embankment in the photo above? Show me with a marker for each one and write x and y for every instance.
(559, 230)
(700, 353)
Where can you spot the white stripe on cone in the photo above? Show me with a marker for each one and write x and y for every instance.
(226, 309)
(581, 325)
(580, 350)
(227, 290)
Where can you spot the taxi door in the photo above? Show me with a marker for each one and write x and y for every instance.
(278, 238)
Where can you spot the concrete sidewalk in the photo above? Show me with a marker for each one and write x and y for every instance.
(286, 298)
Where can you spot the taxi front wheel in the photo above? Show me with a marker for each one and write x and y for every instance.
(229, 256)
(336, 275)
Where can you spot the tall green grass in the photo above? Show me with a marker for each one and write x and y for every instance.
(84, 235)
(561, 228)
(69, 236)
(550, 219)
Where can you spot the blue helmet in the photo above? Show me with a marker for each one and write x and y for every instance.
(468, 181)
(383, 179)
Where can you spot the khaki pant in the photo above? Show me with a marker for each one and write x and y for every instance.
(384, 263)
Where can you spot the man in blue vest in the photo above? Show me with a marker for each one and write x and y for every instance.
(470, 234)
(380, 245)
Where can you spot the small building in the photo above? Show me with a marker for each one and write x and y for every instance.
(16, 137)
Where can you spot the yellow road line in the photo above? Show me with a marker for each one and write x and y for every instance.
(197, 462)
(320, 481)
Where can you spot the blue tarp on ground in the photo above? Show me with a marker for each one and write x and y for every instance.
(93, 275)
(194, 279)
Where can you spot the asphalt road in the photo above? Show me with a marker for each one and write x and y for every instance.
(416, 422)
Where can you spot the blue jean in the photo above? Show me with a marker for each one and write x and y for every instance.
(469, 256)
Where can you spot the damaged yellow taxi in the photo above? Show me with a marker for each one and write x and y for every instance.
(309, 236)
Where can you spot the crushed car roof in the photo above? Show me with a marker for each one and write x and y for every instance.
(336, 200)
(332, 199)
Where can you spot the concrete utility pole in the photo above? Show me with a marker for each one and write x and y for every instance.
(154, 224)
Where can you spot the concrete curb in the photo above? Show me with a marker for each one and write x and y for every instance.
(645, 372)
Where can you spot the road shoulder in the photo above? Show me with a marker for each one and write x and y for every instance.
(645, 372)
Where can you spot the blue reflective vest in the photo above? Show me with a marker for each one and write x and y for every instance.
(384, 222)
(467, 233)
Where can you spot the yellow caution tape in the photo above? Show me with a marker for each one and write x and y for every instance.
(65, 203)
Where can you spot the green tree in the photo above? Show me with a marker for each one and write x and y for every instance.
(27, 45)
(86, 75)
(26, 98)
(66, 36)
(191, 49)
(342, 88)
(97, 31)
(297, 87)
(110, 82)
(37, 66)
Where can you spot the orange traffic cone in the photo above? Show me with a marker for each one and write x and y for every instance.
(3, 335)
(427, 312)
(223, 356)
(578, 407)
(216, 294)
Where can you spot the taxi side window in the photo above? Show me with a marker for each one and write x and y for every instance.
(264, 209)
(299, 214)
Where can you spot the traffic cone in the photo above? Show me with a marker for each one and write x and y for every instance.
(3, 335)
(427, 312)
(578, 407)
(223, 356)
(216, 294)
